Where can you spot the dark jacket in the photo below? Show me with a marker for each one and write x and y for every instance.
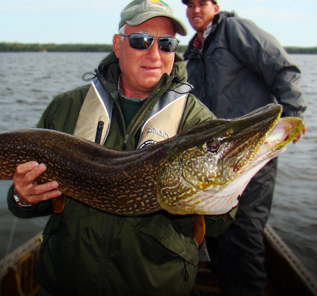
(242, 68)
(89, 252)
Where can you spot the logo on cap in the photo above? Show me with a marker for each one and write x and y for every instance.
(158, 2)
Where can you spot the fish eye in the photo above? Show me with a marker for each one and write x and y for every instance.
(213, 146)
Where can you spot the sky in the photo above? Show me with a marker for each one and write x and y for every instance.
(292, 22)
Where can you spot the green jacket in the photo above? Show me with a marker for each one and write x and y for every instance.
(89, 252)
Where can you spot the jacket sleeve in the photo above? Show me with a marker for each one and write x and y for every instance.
(262, 53)
(57, 117)
(62, 113)
(41, 209)
(216, 225)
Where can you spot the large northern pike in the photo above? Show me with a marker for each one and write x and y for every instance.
(199, 171)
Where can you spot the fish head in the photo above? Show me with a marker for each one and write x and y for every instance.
(220, 158)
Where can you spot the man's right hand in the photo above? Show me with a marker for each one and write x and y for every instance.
(27, 188)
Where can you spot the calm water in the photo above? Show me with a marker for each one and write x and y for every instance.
(29, 81)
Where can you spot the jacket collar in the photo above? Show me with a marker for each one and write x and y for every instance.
(222, 15)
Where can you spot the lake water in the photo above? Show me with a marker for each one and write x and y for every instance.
(29, 81)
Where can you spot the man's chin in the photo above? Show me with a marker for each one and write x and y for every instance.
(148, 84)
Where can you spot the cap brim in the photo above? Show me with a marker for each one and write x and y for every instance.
(145, 16)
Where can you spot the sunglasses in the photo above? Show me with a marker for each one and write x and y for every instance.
(144, 41)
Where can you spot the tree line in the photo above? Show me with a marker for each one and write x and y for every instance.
(52, 47)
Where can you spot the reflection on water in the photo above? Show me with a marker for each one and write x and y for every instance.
(29, 81)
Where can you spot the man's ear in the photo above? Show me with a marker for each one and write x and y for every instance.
(216, 8)
(116, 42)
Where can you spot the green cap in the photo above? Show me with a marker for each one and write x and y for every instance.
(214, 1)
(139, 11)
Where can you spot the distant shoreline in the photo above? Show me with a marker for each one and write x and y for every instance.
(53, 47)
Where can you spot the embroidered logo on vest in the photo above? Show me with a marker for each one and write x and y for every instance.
(160, 133)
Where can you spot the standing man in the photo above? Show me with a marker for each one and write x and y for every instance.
(235, 67)
(89, 252)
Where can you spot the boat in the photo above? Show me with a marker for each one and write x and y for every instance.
(286, 274)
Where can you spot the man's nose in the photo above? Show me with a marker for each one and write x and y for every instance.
(196, 8)
(154, 51)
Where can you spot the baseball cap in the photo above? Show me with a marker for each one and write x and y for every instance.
(139, 11)
(186, 1)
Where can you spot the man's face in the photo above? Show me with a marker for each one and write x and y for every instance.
(200, 13)
(141, 70)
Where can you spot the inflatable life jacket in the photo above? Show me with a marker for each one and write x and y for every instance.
(161, 124)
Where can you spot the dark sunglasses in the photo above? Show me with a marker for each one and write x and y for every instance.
(144, 41)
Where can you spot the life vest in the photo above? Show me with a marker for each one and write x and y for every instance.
(161, 124)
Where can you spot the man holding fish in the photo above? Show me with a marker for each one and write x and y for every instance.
(111, 236)
(138, 97)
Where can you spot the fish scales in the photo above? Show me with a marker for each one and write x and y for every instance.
(183, 175)
(81, 168)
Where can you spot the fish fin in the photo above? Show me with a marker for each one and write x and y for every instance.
(199, 228)
(59, 203)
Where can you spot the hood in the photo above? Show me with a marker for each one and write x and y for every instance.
(218, 18)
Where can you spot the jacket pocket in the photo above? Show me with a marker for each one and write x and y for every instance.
(158, 232)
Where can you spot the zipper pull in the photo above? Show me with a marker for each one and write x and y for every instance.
(99, 132)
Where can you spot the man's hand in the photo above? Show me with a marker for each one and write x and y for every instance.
(27, 188)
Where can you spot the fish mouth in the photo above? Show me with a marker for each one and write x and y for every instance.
(285, 131)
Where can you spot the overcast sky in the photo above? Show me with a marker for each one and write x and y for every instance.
(292, 22)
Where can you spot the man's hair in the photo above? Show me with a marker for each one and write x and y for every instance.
(122, 31)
